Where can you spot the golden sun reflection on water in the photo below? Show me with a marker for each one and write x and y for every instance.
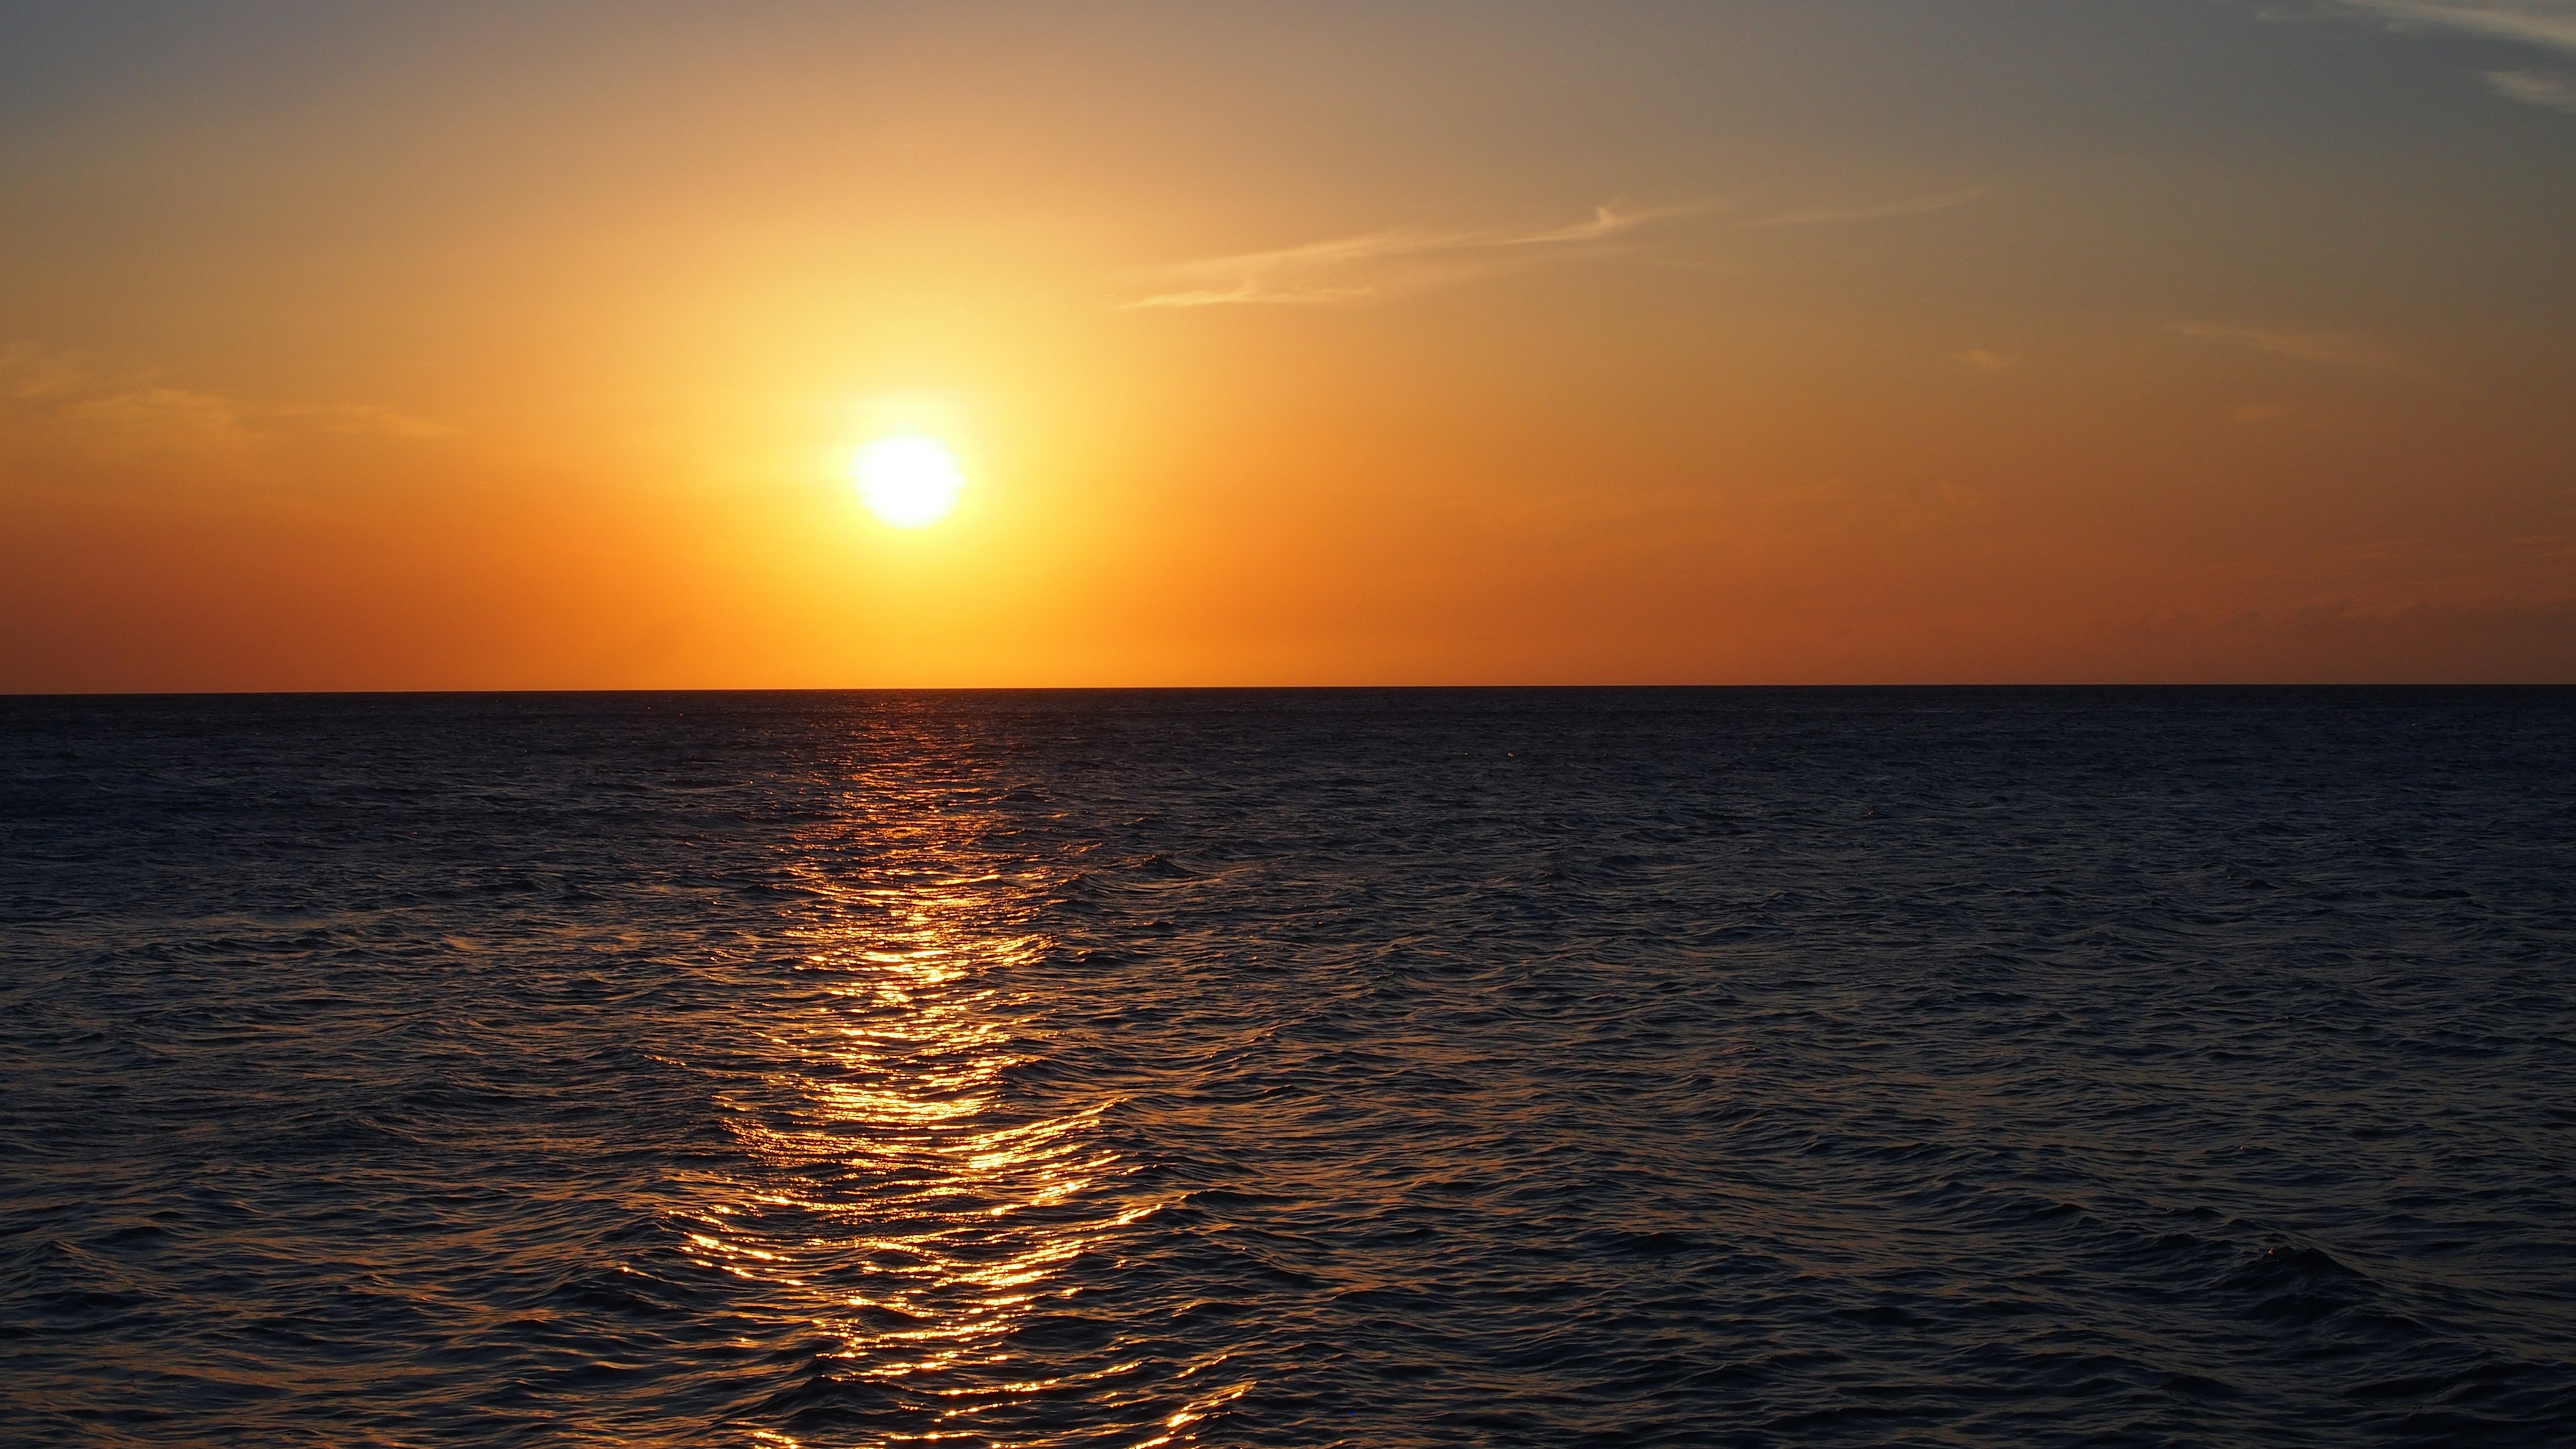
(921, 1214)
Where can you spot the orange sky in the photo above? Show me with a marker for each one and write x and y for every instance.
(528, 347)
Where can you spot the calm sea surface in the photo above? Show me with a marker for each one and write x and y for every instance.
(1378, 1069)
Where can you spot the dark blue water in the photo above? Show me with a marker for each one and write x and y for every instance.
(1937, 1067)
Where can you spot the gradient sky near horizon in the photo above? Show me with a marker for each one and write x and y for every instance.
(362, 346)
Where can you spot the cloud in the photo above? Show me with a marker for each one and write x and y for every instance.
(1382, 263)
(2535, 88)
(43, 390)
(2547, 23)
(1251, 291)
(162, 419)
(1883, 211)
(1977, 359)
(1353, 268)
(129, 414)
(2340, 349)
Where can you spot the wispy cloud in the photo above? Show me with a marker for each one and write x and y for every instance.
(129, 413)
(367, 418)
(2557, 91)
(2340, 349)
(1882, 211)
(2550, 23)
(1978, 359)
(1373, 264)
(1386, 263)
(2547, 24)
(117, 413)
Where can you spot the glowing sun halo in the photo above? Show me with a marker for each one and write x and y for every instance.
(910, 482)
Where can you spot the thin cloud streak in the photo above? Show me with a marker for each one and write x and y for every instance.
(126, 413)
(43, 390)
(1250, 294)
(2550, 23)
(1375, 264)
(1302, 275)
(2535, 88)
(2339, 349)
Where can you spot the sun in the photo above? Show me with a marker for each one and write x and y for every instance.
(910, 482)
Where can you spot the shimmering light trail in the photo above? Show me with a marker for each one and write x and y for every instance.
(922, 1211)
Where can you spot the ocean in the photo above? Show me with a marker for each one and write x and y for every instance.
(1369, 1068)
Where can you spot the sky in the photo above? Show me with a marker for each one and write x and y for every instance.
(458, 346)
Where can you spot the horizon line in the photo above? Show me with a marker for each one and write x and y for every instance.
(7, 695)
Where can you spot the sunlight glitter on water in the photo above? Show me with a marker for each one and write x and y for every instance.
(913, 1208)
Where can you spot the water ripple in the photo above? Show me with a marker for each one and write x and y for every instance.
(2153, 1067)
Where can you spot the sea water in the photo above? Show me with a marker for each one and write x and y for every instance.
(2189, 1067)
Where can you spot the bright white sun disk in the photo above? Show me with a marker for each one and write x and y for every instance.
(910, 482)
